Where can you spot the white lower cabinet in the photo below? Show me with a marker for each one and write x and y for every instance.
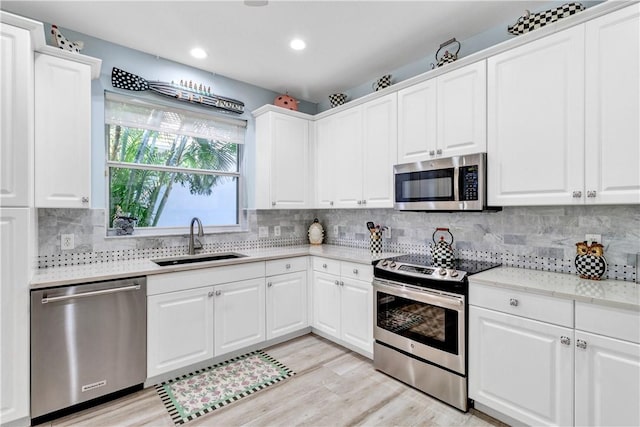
(343, 303)
(180, 329)
(551, 372)
(286, 301)
(239, 315)
(520, 367)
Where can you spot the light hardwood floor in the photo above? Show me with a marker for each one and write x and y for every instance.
(332, 387)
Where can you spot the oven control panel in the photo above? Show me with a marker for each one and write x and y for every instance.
(425, 272)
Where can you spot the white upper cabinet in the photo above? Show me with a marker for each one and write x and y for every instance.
(380, 136)
(62, 132)
(16, 109)
(282, 161)
(355, 151)
(612, 142)
(444, 116)
(535, 148)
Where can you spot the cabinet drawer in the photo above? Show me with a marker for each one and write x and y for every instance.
(191, 279)
(356, 271)
(609, 321)
(533, 306)
(326, 265)
(286, 265)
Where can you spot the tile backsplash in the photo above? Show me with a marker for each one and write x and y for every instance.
(529, 237)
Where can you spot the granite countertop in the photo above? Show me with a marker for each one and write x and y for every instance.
(61, 276)
(614, 293)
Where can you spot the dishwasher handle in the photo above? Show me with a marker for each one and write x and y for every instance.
(134, 287)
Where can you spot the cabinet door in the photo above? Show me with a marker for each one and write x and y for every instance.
(326, 303)
(519, 367)
(289, 162)
(179, 329)
(607, 381)
(417, 122)
(324, 167)
(357, 313)
(14, 314)
(16, 110)
(379, 151)
(612, 107)
(462, 111)
(239, 315)
(286, 303)
(62, 133)
(347, 160)
(535, 144)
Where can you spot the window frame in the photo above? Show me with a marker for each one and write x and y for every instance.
(241, 211)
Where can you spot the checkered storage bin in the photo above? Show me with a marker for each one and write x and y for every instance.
(530, 22)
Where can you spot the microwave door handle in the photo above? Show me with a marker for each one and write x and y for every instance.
(456, 183)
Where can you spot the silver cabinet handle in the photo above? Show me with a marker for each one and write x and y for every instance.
(565, 340)
(273, 203)
(288, 266)
(364, 202)
(432, 153)
(576, 194)
(359, 202)
(324, 265)
(211, 293)
(337, 283)
(85, 200)
(134, 287)
(439, 151)
(581, 344)
(355, 271)
(331, 203)
(269, 284)
(218, 293)
(591, 193)
(341, 283)
(513, 302)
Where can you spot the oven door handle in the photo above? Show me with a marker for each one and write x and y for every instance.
(426, 296)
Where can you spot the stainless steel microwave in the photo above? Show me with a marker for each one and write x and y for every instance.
(447, 184)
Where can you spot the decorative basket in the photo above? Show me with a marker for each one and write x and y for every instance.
(529, 22)
(337, 99)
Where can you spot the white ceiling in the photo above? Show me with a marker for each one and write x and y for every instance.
(348, 42)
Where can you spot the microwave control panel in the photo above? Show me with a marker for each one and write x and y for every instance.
(469, 183)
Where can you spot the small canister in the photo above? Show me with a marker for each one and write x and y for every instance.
(316, 233)
(375, 242)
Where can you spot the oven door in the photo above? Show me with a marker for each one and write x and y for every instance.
(425, 323)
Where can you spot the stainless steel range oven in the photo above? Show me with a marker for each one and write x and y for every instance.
(420, 331)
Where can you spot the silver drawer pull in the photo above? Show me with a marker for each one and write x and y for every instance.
(513, 302)
(135, 287)
(288, 266)
(218, 293)
(576, 194)
(565, 340)
(581, 344)
(210, 294)
(355, 271)
(341, 283)
(324, 265)
(269, 284)
(337, 283)
(591, 193)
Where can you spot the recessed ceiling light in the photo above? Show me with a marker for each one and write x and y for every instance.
(199, 53)
(297, 44)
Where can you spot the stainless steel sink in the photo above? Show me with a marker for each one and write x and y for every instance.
(189, 259)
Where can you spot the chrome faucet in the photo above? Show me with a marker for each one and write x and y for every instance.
(193, 242)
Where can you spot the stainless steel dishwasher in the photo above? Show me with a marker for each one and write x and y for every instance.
(87, 341)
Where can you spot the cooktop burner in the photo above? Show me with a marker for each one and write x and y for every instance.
(423, 271)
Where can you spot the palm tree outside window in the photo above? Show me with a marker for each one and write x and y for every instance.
(166, 165)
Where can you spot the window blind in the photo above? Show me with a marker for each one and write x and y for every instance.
(142, 114)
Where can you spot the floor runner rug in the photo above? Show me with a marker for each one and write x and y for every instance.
(206, 390)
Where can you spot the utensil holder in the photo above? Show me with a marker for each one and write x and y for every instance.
(375, 242)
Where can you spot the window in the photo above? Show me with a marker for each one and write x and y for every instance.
(167, 165)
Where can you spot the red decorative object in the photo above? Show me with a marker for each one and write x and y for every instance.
(285, 101)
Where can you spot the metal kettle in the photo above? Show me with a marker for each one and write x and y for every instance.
(441, 250)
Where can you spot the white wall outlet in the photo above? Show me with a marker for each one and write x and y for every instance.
(335, 230)
(276, 231)
(263, 231)
(66, 242)
(593, 238)
(387, 233)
